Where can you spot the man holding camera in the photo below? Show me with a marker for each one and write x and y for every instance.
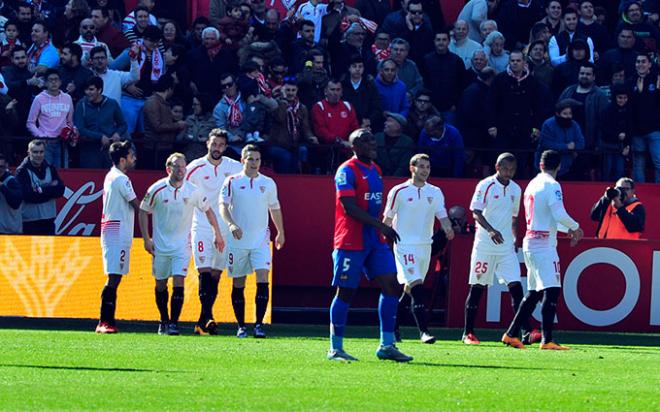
(619, 212)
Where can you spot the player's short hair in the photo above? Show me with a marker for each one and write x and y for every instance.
(218, 132)
(419, 156)
(172, 158)
(249, 148)
(359, 134)
(36, 142)
(119, 150)
(550, 159)
(505, 157)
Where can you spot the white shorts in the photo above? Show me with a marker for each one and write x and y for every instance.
(243, 262)
(412, 262)
(204, 251)
(116, 259)
(484, 268)
(166, 266)
(542, 269)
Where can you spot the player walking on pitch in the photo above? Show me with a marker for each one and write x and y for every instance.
(360, 249)
(208, 173)
(544, 212)
(171, 201)
(247, 199)
(495, 205)
(117, 220)
(411, 210)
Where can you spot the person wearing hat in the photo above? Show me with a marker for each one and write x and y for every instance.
(567, 72)
(394, 148)
(558, 48)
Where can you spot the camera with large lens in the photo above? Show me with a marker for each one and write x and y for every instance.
(613, 192)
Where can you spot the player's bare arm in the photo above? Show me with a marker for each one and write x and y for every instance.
(446, 227)
(219, 242)
(135, 204)
(388, 221)
(143, 218)
(495, 235)
(353, 210)
(236, 231)
(278, 221)
(514, 230)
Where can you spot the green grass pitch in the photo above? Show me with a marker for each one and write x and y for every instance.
(139, 370)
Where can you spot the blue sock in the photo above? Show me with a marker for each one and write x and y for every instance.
(338, 315)
(387, 306)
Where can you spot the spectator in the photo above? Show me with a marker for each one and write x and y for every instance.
(176, 67)
(398, 22)
(645, 85)
(302, 47)
(336, 12)
(619, 213)
(11, 197)
(478, 62)
(21, 83)
(160, 129)
(113, 80)
(647, 35)
(88, 41)
(559, 46)
(256, 114)
(498, 58)
(51, 119)
(106, 33)
(25, 19)
(334, 119)
(462, 45)
(206, 61)
(552, 18)
(42, 55)
(407, 70)
(618, 77)
(563, 134)
(539, 64)
(381, 47)
(290, 132)
(394, 147)
(444, 145)
(516, 18)
(487, 27)
(359, 89)
(8, 44)
(229, 111)
(198, 25)
(539, 32)
(41, 185)
(623, 55)
(100, 123)
(617, 124)
(133, 18)
(589, 26)
(515, 110)
(567, 73)
(419, 113)
(374, 10)
(276, 72)
(73, 74)
(142, 21)
(476, 12)
(232, 27)
(8, 120)
(417, 30)
(313, 79)
(198, 126)
(353, 43)
(444, 74)
(393, 93)
(68, 24)
(313, 10)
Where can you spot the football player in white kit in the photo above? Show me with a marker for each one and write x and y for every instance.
(495, 205)
(208, 173)
(411, 210)
(172, 201)
(247, 199)
(117, 220)
(544, 214)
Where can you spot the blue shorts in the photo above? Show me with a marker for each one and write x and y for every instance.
(349, 265)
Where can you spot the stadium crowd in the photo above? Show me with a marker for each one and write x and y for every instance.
(296, 77)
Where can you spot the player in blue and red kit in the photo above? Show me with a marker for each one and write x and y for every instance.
(360, 247)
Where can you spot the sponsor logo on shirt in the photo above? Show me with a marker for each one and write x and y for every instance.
(373, 196)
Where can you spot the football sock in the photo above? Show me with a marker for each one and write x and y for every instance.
(161, 302)
(548, 310)
(404, 305)
(261, 301)
(213, 294)
(387, 306)
(238, 303)
(524, 311)
(108, 304)
(204, 295)
(516, 292)
(471, 307)
(418, 308)
(338, 315)
(176, 304)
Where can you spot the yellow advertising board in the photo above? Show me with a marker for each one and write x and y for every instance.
(62, 277)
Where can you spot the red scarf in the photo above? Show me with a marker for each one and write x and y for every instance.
(292, 119)
(35, 53)
(381, 54)
(234, 116)
(157, 61)
(261, 81)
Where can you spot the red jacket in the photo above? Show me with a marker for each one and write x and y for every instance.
(332, 121)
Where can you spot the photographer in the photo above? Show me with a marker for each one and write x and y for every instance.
(619, 213)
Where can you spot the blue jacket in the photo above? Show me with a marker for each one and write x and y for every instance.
(393, 97)
(447, 153)
(557, 138)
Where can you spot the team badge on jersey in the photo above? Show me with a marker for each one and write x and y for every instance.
(341, 178)
(558, 194)
(430, 199)
(263, 189)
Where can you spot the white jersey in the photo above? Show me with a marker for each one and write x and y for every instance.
(209, 179)
(413, 210)
(544, 211)
(118, 215)
(172, 210)
(249, 200)
(499, 204)
(308, 11)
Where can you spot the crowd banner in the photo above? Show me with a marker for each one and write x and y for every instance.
(62, 277)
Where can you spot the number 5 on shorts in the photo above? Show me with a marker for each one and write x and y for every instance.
(346, 264)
